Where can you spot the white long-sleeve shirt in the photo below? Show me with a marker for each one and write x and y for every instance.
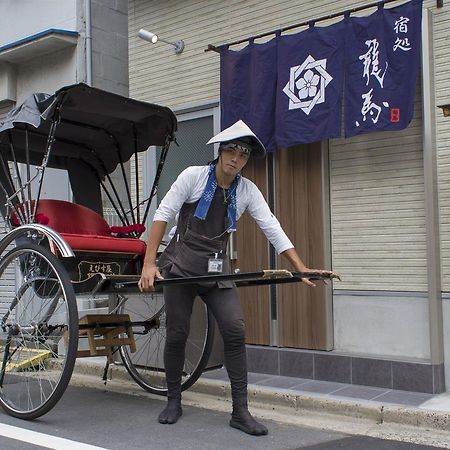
(189, 187)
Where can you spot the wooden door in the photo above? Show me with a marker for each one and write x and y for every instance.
(251, 249)
(304, 313)
(299, 316)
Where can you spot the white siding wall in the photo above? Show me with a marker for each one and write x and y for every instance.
(160, 76)
(7, 284)
(377, 210)
(441, 29)
(34, 17)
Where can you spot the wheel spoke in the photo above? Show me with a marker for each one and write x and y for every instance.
(43, 310)
(146, 365)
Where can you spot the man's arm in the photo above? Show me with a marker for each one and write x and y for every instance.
(292, 256)
(269, 224)
(150, 270)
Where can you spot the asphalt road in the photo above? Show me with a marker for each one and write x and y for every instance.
(110, 420)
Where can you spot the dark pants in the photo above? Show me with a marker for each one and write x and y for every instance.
(226, 308)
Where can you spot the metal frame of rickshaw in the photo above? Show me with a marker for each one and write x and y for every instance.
(39, 331)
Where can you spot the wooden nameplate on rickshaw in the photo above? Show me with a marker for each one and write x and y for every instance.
(128, 283)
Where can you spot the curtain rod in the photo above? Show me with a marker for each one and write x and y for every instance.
(307, 22)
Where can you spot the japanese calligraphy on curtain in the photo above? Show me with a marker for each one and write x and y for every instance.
(289, 90)
(382, 64)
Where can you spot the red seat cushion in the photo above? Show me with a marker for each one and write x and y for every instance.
(66, 217)
(92, 243)
(85, 230)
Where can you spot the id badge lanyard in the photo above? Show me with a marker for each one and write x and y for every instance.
(215, 265)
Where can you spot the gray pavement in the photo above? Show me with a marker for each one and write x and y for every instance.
(356, 410)
(112, 420)
(119, 421)
(300, 414)
(13, 444)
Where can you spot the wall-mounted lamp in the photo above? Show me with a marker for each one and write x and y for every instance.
(445, 109)
(153, 38)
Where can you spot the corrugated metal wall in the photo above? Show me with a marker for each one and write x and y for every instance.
(377, 196)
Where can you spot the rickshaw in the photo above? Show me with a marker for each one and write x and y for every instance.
(54, 251)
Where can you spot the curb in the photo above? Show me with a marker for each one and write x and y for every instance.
(422, 418)
(288, 401)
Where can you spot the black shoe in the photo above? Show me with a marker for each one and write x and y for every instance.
(244, 421)
(171, 413)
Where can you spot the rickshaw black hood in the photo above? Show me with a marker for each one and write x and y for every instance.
(97, 127)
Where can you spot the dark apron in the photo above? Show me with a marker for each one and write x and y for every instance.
(196, 241)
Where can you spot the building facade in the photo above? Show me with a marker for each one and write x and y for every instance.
(373, 208)
(63, 43)
(56, 43)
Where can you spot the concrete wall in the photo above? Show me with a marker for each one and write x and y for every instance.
(59, 69)
(446, 314)
(110, 57)
(39, 73)
(110, 45)
(376, 324)
(30, 17)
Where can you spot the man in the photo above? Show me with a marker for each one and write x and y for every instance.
(209, 200)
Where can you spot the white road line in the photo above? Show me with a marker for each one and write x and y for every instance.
(44, 440)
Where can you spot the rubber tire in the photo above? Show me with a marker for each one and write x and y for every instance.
(186, 382)
(72, 346)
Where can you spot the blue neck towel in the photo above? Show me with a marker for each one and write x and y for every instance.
(208, 194)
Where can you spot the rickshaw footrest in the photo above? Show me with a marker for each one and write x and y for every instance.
(104, 332)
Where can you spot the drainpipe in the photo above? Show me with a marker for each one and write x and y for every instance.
(87, 14)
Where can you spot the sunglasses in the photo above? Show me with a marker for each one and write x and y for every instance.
(238, 147)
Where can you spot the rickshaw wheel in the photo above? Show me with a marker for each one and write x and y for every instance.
(38, 332)
(146, 365)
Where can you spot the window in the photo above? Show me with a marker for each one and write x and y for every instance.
(192, 136)
(194, 131)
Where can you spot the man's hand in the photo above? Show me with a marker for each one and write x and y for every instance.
(292, 255)
(325, 273)
(150, 272)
